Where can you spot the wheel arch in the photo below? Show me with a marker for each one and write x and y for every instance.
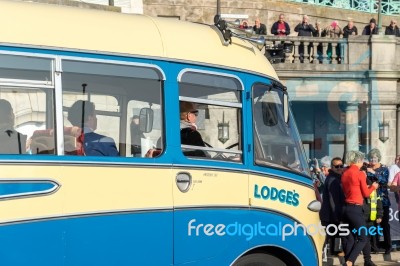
(276, 251)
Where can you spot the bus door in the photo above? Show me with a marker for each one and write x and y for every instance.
(210, 189)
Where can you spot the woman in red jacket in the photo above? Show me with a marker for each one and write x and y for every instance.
(355, 190)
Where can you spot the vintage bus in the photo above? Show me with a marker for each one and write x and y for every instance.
(142, 198)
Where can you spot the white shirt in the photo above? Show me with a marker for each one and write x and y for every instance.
(393, 170)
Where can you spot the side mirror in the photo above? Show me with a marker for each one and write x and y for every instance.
(146, 117)
(286, 107)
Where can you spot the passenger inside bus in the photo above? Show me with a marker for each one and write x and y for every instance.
(83, 114)
(189, 134)
(11, 141)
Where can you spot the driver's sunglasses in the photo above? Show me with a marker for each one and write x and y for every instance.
(338, 166)
(196, 112)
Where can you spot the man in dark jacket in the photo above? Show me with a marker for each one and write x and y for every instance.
(280, 28)
(392, 29)
(371, 28)
(304, 28)
(332, 200)
(307, 30)
(259, 28)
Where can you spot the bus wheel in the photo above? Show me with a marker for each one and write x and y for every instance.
(259, 259)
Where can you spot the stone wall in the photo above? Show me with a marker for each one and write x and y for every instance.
(77, 4)
(267, 10)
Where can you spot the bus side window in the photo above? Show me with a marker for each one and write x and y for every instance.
(118, 93)
(145, 130)
(211, 105)
(29, 113)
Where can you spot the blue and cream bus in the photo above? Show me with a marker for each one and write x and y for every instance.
(249, 201)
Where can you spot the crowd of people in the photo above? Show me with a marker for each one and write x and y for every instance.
(357, 194)
(333, 30)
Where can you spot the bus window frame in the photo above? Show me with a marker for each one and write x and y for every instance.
(28, 82)
(122, 116)
(238, 105)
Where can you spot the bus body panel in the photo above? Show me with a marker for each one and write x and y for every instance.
(213, 236)
(75, 210)
(291, 199)
(99, 215)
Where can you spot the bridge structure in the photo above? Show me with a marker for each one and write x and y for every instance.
(345, 93)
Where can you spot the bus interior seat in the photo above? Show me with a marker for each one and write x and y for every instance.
(42, 145)
(70, 147)
(43, 142)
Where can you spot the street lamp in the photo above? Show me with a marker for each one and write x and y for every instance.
(223, 130)
(384, 131)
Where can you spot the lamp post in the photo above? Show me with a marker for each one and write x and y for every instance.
(380, 32)
(218, 7)
(223, 130)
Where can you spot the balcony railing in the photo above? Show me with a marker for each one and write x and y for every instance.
(389, 7)
(327, 54)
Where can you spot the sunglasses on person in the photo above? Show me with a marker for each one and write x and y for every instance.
(338, 166)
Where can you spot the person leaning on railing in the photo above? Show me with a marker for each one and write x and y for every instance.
(280, 27)
(349, 29)
(355, 189)
(371, 28)
(393, 29)
(259, 28)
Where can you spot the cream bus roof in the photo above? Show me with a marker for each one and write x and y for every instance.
(95, 30)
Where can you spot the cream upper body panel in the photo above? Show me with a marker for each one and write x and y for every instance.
(74, 28)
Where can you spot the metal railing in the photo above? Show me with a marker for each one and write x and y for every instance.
(389, 7)
(294, 53)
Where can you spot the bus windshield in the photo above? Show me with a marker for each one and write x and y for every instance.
(276, 142)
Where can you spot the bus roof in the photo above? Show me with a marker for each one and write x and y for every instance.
(47, 25)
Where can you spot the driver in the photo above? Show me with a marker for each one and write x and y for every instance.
(189, 133)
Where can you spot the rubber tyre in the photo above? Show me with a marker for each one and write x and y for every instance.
(259, 259)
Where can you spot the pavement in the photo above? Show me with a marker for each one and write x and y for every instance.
(381, 259)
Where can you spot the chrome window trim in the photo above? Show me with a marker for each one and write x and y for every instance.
(210, 102)
(213, 73)
(158, 69)
(32, 83)
(58, 104)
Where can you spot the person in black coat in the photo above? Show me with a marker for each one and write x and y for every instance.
(189, 134)
(332, 200)
(371, 28)
(259, 28)
(392, 29)
(349, 29)
(307, 30)
(304, 28)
